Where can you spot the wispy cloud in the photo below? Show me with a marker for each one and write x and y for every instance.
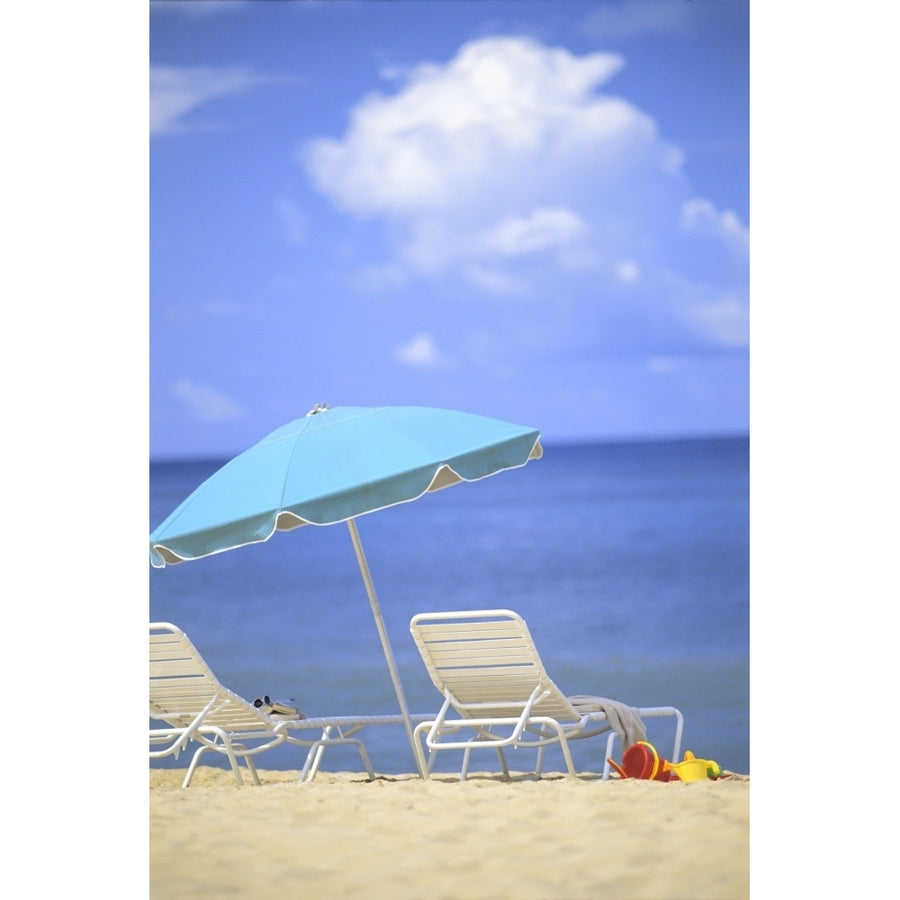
(664, 365)
(206, 403)
(633, 18)
(723, 317)
(380, 278)
(294, 221)
(701, 217)
(197, 9)
(420, 352)
(178, 91)
(628, 271)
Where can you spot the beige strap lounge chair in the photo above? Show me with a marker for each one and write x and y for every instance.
(498, 694)
(197, 708)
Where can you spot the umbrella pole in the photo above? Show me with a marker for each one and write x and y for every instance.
(385, 643)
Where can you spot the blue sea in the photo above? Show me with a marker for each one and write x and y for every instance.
(629, 561)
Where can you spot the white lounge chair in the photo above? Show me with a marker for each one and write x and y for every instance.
(498, 694)
(196, 707)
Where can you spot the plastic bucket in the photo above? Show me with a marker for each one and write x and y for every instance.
(641, 760)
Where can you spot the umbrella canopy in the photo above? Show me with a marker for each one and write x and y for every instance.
(331, 466)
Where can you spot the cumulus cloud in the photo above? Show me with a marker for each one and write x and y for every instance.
(177, 91)
(206, 403)
(515, 179)
(489, 157)
(541, 230)
(438, 141)
(432, 244)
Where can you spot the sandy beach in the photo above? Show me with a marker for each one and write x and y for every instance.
(400, 837)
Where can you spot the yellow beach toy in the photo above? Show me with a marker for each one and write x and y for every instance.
(641, 760)
(693, 769)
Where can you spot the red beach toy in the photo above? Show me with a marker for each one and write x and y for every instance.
(641, 760)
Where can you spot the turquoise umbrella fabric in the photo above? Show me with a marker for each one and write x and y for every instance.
(333, 465)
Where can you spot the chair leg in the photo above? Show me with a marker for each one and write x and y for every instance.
(608, 755)
(193, 766)
(503, 764)
(317, 751)
(229, 752)
(364, 756)
(308, 762)
(567, 753)
(679, 730)
(423, 765)
(467, 755)
(251, 765)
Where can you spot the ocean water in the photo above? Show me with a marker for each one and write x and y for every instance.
(629, 561)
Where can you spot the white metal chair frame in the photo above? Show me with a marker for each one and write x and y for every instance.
(196, 707)
(486, 666)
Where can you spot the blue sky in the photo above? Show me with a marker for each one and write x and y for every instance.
(530, 210)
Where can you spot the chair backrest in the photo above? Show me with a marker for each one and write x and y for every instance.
(182, 686)
(487, 661)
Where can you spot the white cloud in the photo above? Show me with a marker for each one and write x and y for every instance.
(197, 9)
(724, 318)
(541, 230)
(628, 271)
(438, 141)
(509, 172)
(210, 405)
(701, 217)
(432, 244)
(176, 91)
(420, 352)
(497, 154)
(663, 365)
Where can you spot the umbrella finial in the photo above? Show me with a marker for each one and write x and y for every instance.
(319, 407)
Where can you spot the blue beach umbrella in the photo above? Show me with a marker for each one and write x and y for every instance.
(331, 466)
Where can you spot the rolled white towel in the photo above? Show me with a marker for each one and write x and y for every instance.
(623, 719)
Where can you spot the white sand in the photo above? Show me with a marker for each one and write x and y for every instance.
(400, 837)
